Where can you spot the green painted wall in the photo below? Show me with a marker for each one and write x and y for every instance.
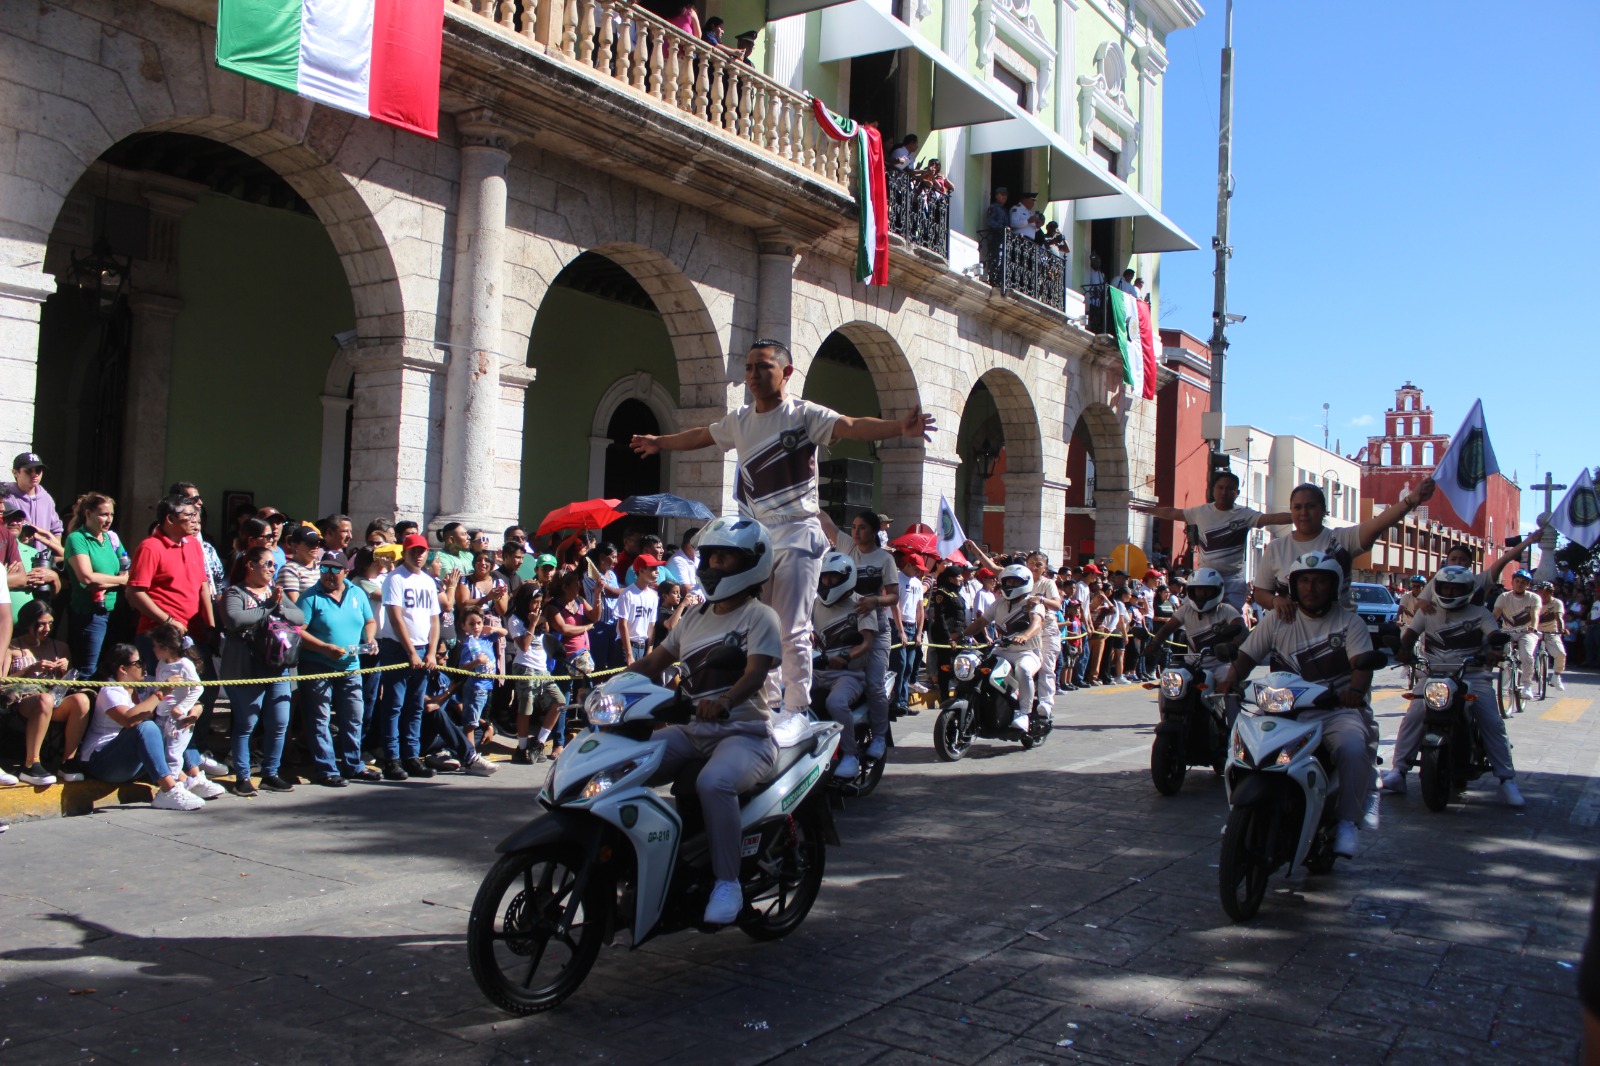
(581, 345)
(849, 391)
(263, 294)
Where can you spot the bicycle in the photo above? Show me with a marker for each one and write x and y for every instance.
(1509, 676)
(1541, 670)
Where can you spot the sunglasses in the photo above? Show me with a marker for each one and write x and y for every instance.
(333, 569)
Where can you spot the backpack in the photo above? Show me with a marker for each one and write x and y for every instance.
(276, 642)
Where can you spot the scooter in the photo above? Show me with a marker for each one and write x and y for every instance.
(609, 854)
(1193, 730)
(984, 704)
(871, 772)
(1281, 789)
(1452, 753)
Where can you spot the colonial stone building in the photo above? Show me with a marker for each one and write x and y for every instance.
(206, 278)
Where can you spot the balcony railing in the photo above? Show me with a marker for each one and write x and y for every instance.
(1013, 263)
(1096, 309)
(645, 54)
(919, 212)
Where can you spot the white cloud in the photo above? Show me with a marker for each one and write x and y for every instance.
(1364, 420)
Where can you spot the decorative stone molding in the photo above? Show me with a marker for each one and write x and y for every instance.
(1012, 23)
(479, 127)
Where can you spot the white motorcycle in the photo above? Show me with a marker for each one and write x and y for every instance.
(608, 853)
(1281, 791)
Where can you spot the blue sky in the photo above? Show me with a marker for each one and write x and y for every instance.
(1414, 198)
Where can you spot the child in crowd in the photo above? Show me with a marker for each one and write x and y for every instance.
(179, 709)
(477, 653)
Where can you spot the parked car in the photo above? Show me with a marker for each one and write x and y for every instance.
(1378, 608)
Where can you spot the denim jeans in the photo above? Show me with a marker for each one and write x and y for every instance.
(403, 691)
(905, 660)
(88, 634)
(440, 733)
(137, 750)
(325, 700)
(371, 688)
(475, 699)
(267, 705)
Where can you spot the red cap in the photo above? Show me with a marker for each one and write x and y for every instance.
(917, 563)
(985, 572)
(643, 562)
(414, 540)
(1091, 569)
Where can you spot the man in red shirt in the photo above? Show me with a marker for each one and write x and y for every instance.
(168, 581)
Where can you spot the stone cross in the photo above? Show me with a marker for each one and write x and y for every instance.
(1547, 542)
(1549, 488)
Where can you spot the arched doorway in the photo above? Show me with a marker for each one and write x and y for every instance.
(839, 377)
(1001, 474)
(1096, 519)
(210, 365)
(606, 370)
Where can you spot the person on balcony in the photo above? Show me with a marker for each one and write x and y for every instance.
(1125, 283)
(1022, 211)
(904, 157)
(932, 176)
(1053, 240)
(995, 217)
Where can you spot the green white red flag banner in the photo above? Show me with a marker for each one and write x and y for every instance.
(871, 192)
(376, 58)
(1125, 327)
(1147, 345)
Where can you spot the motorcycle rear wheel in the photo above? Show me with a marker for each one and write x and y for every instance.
(1541, 671)
(948, 742)
(524, 908)
(1436, 785)
(1242, 872)
(1167, 767)
(866, 781)
(778, 900)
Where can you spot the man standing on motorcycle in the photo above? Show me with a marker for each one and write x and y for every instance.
(777, 438)
(732, 729)
(1207, 620)
(1518, 613)
(1321, 642)
(1018, 619)
(1219, 530)
(844, 638)
(1453, 635)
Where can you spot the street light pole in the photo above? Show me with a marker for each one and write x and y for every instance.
(1219, 243)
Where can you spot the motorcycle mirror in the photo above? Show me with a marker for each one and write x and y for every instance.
(1371, 660)
(729, 658)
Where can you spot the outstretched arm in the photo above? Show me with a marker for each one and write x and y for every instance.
(1166, 514)
(984, 558)
(1276, 518)
(914, 424)
(1373, 527)
(1512, 553)
(688, 440)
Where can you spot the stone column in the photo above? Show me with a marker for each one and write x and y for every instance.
(515, 379)
(22, 291)
(467, 478)
(330, 480)
(775, 288)
(144, 428)
(399, 398)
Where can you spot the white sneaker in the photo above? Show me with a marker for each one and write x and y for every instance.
(1527, 692)
(1510, 794)
(1020, 722)
(727, 900)
(1394, 781)
(7, 779)
(481, 767)
(1560, 684)
(177, 799)
(202, 786)
(1369, 820)
(848, 768)
(1344, 840)
(212, 768)
(919, 688)
(441, 762)
(876, 749)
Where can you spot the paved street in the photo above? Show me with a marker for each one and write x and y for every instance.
(1011, 908)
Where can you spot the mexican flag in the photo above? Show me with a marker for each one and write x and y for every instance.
(871, 193)
(1129, 326)
(377, 58)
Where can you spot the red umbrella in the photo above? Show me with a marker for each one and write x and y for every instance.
(586, 514)
(922, 543)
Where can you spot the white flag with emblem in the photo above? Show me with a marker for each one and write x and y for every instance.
(1577, 516)
(1463, 473)
(949, 536)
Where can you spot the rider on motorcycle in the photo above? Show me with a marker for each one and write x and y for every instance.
(1455, 633)
(844, 638)
(732, 729)
(1018, 619)
(1321, 643)
(1206, 619)
(1518, 612)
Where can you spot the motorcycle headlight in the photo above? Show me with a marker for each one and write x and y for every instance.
(606, 708)
(1172, 684)
(1275, 700)
(1286, 755)
(600, 783)
(965, 666)
(1437, 693)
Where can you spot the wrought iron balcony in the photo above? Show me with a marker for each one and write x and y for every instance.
(1013, 263)
(919, 212)
(1096, 310)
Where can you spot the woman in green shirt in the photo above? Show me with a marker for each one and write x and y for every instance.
(99, 569)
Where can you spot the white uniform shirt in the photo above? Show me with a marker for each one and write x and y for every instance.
(837, 628)
(1204, 630)
(1012, 617)
(1221, 536)
(1518, 611)
(752, 627)
(777, 457)
(1318, 649)
(873, 567)
(1450, 638)
(1342, 544)
(417, 596)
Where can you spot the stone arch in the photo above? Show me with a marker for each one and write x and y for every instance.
(1097, 499)
(644, 387)
(1020, 464)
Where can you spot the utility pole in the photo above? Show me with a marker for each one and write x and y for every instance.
(1219, 244)
(1324, 427)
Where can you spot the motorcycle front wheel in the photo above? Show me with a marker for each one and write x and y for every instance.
(866, 781)
(1167, 768)
(790, 869)
(1242, 872)
(1436, 786)
(948, 742)
(531, 936)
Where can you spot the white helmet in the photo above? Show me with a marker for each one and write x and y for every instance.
(1453, 587)
(745, 536)
(1315, 563)
(841, 570)
(1204, 589)
(1016, 582)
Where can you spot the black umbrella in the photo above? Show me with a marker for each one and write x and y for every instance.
(665, 505)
